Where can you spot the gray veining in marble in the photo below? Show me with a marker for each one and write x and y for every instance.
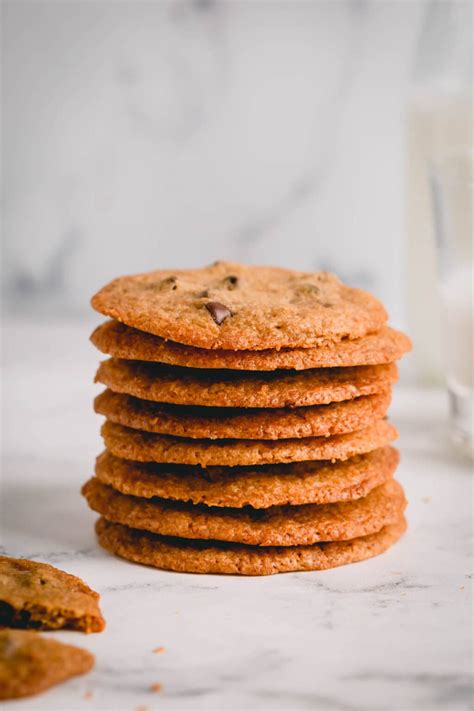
(152, 133)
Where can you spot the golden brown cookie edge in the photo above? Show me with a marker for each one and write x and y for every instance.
(189, 557)
(53, 599)
(275, 526)
(44, 663)
(121, 341)
(259, 487)
(295, 317)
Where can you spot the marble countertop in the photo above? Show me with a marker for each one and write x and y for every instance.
(392, 633)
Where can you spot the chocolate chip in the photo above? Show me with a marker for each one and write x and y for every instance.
(308, 288)
(231, 282)
(164, 284)
(218, 311)
(171, 282)
(203, 294)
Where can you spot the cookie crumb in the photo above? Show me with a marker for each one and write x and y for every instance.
(158, 650)
(426, 499)
(88, 694)
(156, 688)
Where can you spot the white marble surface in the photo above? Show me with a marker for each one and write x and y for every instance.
(171, 132)
(393, 633)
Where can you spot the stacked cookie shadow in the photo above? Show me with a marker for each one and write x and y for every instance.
(246, 427)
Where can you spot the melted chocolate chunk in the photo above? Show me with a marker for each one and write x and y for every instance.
(169, 282)
(231, 282)
(164, 284)
(308, 288)
(218, 311)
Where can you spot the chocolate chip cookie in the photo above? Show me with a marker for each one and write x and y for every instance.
(259, 487)
(237, 307)
(149, 447)
(275, 526)
(40, 596)
(250, 423)
(189, 386)
(121, 341)
(31, 663)
(193, 556)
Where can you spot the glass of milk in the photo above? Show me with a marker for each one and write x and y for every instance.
(452, 193)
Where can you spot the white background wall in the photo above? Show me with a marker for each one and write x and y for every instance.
(140, 135)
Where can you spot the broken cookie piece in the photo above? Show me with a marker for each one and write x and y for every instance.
(30, 663)
(39, 596)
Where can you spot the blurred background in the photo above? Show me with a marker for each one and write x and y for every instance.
(140, 135)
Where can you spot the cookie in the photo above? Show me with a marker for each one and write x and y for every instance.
(31, 663)
(221, 423)
(40, 596)
(275, 526)
(192, 556)
(189, 386)
(232, 306)
(121, 341)
(259, 487)
(149, 447)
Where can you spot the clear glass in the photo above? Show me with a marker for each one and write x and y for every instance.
(452, 192)
(439, 118)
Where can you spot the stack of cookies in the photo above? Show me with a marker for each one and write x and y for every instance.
(246, 427)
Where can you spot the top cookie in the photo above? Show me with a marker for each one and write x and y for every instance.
(231, 306)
